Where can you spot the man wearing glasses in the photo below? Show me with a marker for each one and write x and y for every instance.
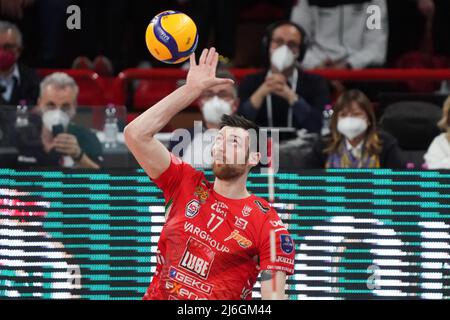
(283, 95)
(17, 82)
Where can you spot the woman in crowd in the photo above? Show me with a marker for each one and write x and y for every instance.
(354, 140)
(438, 154)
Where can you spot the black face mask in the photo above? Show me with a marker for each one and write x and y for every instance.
(334, 3)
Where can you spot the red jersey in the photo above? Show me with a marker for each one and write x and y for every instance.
(213, 247)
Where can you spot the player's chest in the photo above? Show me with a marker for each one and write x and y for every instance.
(219, 225)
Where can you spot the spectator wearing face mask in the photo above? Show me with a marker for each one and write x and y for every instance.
(354, 140)
(438, 154)
(194, 145)
(17, 82)
(58, 142)
(283, 95)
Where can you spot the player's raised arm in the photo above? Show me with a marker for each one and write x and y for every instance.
(151, 154)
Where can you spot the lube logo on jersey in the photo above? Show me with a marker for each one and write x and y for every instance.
(262, 207)
(240, 223)
(220, 208)
(189, 281)
(286, 243)
(192, 208)
(197, 258)
(240, 239)
(246, 211)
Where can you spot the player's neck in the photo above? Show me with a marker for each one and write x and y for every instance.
(233, 189)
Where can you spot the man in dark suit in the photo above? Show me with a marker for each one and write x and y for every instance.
(17, 81)
(284, 95)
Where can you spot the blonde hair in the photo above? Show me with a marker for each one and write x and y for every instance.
(444, 124)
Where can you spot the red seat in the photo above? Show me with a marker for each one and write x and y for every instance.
(150, 92)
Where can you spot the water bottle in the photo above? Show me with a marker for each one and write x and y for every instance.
(111, 128)
(22, 114)
(326, 118)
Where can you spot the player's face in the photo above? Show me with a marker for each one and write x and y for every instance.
(231, 153)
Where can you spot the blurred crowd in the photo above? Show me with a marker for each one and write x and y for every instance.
(322, 124)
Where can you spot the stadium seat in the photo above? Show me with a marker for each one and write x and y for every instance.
(413, 124)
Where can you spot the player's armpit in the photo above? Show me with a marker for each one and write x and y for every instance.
(267, 292)
(151, 154)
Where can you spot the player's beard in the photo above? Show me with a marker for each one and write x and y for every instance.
(228, 172)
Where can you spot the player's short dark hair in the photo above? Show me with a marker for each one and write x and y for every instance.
(238, 121)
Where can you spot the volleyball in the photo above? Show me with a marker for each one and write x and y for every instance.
(171, 37)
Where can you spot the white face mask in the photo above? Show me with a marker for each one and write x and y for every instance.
(55, 117)
(214, 109)
(351, 127)
(282, 58)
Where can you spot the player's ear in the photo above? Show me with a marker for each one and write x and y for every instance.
(254, 158)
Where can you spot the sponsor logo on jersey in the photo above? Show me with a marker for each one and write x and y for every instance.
(177, 289)
(203, 235)
(189, 281)
(280, 268)
(197, 258)
(240, 223)
(240, 239)
(278, 224)
(246, 210)
(192, 208)
(262, 207)
(284, 260)
(220, 208)
(286, 243)
(201, 193)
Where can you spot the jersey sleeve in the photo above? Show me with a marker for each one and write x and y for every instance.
(284, 258)
(170, 180)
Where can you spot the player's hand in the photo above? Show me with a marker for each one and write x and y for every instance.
(202, 76)
(67, 144)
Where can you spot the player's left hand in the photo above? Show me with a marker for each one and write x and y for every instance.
(67, 144)
(202, 76)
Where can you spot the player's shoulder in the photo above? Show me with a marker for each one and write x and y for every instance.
(262, 207)
(190, 177)
(187, 169)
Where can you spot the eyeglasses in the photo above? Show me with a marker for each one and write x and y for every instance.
(293, 45)
(225, 95)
